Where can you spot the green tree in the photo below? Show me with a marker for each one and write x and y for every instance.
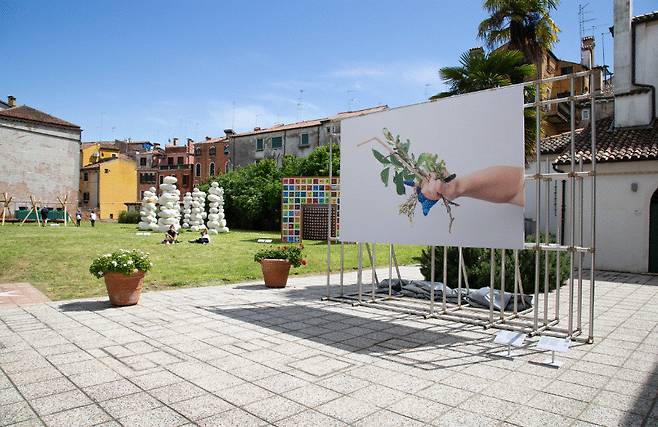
(525, 24)
(479, 70)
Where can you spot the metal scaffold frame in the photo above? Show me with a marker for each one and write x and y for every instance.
(532, 321)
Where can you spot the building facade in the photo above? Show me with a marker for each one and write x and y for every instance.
(39, 157)
(627, 157)
(211, 158)
(298, 139)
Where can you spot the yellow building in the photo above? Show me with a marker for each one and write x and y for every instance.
(107, 180)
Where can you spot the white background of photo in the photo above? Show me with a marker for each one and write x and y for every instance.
(470, 132)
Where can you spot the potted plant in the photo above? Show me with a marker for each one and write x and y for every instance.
(123, 272)
(275, 263)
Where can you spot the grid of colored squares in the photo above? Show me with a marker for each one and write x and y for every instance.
(300, 191)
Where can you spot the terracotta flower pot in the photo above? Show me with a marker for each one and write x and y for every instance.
(275, 272)
(124, 290)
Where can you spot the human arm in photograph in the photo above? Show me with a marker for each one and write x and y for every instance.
(496, 184)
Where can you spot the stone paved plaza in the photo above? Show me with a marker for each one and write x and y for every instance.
(247, 355)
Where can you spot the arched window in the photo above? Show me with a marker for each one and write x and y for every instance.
(198, 169)
(212, 151)
(212, 169)
(227, 166)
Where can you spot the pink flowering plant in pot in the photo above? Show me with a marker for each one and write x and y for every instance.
(123, 271)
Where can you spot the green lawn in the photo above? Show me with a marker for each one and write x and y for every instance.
(56, 259)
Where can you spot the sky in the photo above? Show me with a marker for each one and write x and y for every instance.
(154, 70)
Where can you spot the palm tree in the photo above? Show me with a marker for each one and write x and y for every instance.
(479, 70)
(525, 24)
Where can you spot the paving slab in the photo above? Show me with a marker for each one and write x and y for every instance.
(247, 355)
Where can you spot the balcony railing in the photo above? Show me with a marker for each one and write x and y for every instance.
(174, 167)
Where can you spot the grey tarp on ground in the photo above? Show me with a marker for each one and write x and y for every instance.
(475, 297)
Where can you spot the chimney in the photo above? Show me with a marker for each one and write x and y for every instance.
(11, 100)
(208, 138)
(190, 144)
(475, 51)
(623, 46)
(586, 46)
(256, 129)
(229, 132)
(174, 141)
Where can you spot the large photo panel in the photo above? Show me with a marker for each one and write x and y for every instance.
(447, 172)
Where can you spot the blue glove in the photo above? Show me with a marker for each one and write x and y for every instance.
(424, 201)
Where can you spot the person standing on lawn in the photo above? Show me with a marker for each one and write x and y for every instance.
(78, 218)
(44, 215)
(92, 218)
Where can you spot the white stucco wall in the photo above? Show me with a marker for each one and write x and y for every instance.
(622, 216)
(37, 160)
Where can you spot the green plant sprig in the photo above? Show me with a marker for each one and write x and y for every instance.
(406, 166)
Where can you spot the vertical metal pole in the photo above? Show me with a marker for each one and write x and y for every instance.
(342, 268)
(374, 266)
(572, 199)
(459, 278)
(331, 144)
(390, 270)
(516, 280)
(546, 234)
(538, 195)
(558, 256)
(492, 280)
(445, 277)
(593, 201)
(359, 271)
(579, 298)
(502, 284)
(432, 277)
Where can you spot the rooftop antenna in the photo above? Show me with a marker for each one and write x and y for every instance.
(426, 93)
(233, 116)
(350, 99)
(300, 100)
(101, 133)
(583, 18)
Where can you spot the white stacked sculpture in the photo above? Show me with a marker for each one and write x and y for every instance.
(198, 209)
(216, 221)
(169, 213)
(149, 211)
(187, 209)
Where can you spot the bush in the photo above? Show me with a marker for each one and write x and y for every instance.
(129, 217)
(477, 262)
(252, 194)
(293, 254)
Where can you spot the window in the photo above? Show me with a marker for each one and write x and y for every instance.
(259, 144)
(212, 151)
(161, 179)
(85, 197)
(566, 70)
(141, 194)
(197, 172)
(142, 161)
(303, 139)
(170, 161)
(277, 142)
(179, 161)
(85, 176)
(114, 155)
(212, 169)
(226, 151)
(197, 151)
(227, 166)
(186, 180)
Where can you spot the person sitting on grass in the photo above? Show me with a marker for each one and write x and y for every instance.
(205, 238)
(170, 236)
